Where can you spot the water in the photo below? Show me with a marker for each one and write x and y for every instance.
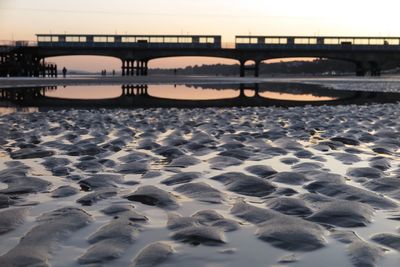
(31, 99)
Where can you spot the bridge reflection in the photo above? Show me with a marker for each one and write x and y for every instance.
(137, 96)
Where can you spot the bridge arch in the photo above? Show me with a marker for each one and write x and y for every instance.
(189, 64)
(86, 63)
(323, 64)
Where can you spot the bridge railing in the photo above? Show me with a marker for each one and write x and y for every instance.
(19, 43)
(134, 41)
(306, 42)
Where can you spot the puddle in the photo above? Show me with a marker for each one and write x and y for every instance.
(181, 96)
(296, 97)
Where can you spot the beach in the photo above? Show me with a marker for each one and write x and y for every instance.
(237, 186)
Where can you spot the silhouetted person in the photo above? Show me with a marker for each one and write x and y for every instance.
(113, 72)
(175, 71)
(64, 72)
(105, 72)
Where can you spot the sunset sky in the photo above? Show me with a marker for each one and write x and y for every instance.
(21, 19)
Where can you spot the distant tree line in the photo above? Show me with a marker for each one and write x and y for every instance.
(314, 67)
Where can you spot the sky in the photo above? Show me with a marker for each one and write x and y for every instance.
(22, 19)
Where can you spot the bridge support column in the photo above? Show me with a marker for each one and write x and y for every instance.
(128, 68)
(241, 90)
(43, 68)
(256, 68)
(123, 71)
(36, 69)
(242, 68)
(130, 71)
(138, 67)
(145, 70)
(256, 90)
(134, 68)
(140, 63)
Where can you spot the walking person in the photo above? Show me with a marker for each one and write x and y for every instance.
(64, 72)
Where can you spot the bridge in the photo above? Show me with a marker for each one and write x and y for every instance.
(369, 54)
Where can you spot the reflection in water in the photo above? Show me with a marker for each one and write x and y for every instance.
(86, 92)
(185, 92)
(185, 96)
(9, 110)
(249, 93)
(168, 91)
(293, 97)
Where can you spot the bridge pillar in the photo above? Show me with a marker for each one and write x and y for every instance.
(43, 68)
(137, 67)
(36, 68)
(128, 90)
(123, 71)
(256, 90)
(256, 68)
(132, 68)
(128, 68)
(242, 68)
(241, 90)
(142, 68)
(146, 68)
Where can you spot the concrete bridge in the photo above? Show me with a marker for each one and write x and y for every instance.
(369, 54)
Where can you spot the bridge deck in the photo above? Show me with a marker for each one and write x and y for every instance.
(214, 41)
(152, 41)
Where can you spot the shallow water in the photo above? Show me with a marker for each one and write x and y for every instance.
(182, 92)
(245, 137)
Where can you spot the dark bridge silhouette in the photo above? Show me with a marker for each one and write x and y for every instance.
(369, 54)
(137, 96)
